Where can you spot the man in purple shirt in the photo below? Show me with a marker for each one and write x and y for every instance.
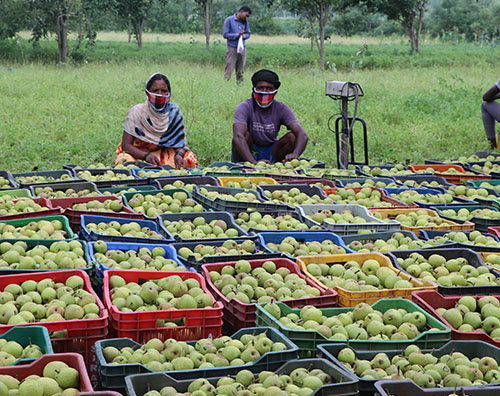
(257, 122)
(234, 27)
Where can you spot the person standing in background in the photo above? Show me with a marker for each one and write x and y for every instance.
(236, 26)
(490, 112)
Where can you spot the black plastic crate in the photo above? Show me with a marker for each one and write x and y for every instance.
(456, 200)
(108, 183)
(407, 387)
(373, 236)
(307, 189)
(208, 216)
(161, 182)
(8, 176)
(443, 184)
(63, 186)
(56, 174)
(480, 223)
(448, 253)
(342, 183)
(359, 169)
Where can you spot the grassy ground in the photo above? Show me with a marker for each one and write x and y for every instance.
(51, 115)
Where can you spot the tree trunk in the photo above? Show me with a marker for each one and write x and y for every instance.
(129, 29)
(419, 23)
(411, 35)
(207, 25)
(314, 36)
(62, 36)
(323, 19)
(138, 31)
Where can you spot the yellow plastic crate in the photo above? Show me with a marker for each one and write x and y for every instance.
(348, 298)
(223, 180)
(486, 254)
(447, 225)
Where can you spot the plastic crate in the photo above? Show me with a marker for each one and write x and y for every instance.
(197, 264)
(372, 224)
(447, 225)
(23, 222)
(359, 170)
(423, 178)
(63, 186)
(189, 179)
(49, 211)
(56, 174)
(29, 335)
(118, 191)
(347, 298)
(456, 200)
(480, 223)
(303, 236)
(472, 257)
(106, 183)
(431, 300)
(113, 375)
(36, 367)
(373, 236)
(361, 180)
(170, 253)
(91, 235)
(74, 215)
(8, 176)
(494, 231)
(394, 203)
(477, 183)
(368, 386)
(428, 235)
(308, 340)
(208, 216)
(233, 206)
(407, 387)
(142, 326)
(307, 189)
(325, 182)
(278, 213)
(229, 164)
(15, 193)
(135, 172)
(224, 180)
(451, 178)
(239, 315)
(343, 383)
(99, 393)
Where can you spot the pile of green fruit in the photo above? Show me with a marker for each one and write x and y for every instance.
(473, 238)
(48, 193)
(42, 229)
(11, 351)
(7, 197)
(154, 204)
(109, 205)
(291, 246)
(171, 292)
(47, 301)
(293, 164)
(228, 248)
(366, 197)
(486, 184)
(173, 355)
(413, 218)
(246, 184)
(320, 172)
(343, 217)
(131, 229)
(423, 183)
(108, 175)
(397, 241)
(57, 379)
(20, 205)
(361, 323)
(179, 184)
(300, 382)
(376, 171)
(143, 259)
(294, 197)
(409, 196)
(59, 255)
(427, 370)
(261, 284)
(4, 183)
(475, 314)
(466, 214)
(470, 193)
(121, 192)
(239, 196)
(198, 228)
(268, 222)
(358, 275)
(448, 273)
(41, 179)
(493, 260)
(370, 183)
(488, 167)
(162, 173)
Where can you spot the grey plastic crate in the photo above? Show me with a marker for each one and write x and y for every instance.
(347, 229)
(56, 174)
(409, 388)
(63, 186)
(307, 189)
(8, 176)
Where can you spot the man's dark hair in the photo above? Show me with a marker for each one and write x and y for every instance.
(246, 9)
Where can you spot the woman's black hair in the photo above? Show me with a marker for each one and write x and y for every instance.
(158, 76)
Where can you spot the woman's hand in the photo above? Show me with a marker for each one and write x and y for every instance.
(152, 159)
(180, 162)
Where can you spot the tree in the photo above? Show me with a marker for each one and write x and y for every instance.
(134, 12)
(315, 11)
(12, 18)
(204, 6)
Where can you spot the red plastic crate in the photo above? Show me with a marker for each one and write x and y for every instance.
(431, 300)
(142, 326)
(494, 231)
(28, 215)
(238, 315)
(74, 215)
(450, 178)
(73, 360)
(384, 197)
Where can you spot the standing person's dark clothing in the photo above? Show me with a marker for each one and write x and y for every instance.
(490, 112)
(234, 27)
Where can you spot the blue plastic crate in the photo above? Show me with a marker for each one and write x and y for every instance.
(90, 236)
(458, 201)
(344, 182)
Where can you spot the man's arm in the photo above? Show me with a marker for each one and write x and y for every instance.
(493, 93)
(246, 35)
(227, 31)
(301, 139)
(240, 142)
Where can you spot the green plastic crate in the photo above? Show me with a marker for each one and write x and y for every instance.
(23, 222)
(117, 190)
(26, 335)
(17, 193)
(308, 340)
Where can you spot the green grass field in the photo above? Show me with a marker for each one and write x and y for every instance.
(51, 115)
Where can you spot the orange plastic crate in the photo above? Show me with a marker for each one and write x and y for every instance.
(451, 178)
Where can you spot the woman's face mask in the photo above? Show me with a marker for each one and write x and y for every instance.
(157, 101)
(264, 99)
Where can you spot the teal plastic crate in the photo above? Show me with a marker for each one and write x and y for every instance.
(26, 335)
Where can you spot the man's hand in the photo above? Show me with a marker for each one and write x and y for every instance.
(291, 156)
(242, 32)
(153, 159)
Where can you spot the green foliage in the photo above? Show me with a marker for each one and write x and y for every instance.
(12, 18)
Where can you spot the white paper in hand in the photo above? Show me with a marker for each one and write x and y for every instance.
(241, 47)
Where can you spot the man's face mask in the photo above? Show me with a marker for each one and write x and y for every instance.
(157, 101)
(264, 99)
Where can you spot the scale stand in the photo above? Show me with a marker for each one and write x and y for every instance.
(347, 92)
